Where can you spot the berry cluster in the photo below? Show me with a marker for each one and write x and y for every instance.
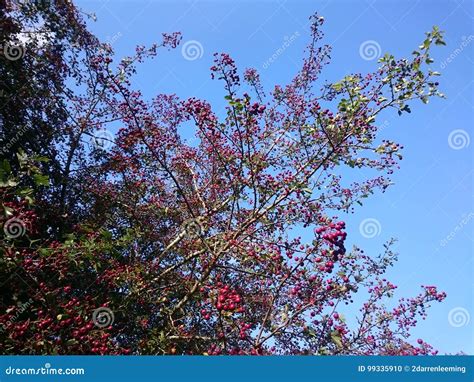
(224, 67)
(334, 236)
(243, 331)
(109, 231)
(228, 300)
(256, 108)
(333, 233)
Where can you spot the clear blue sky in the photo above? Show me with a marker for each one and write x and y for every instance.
(430, 209)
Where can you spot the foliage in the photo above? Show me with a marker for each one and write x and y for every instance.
(157, 246)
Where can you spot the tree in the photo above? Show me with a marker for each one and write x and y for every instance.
(165, 247)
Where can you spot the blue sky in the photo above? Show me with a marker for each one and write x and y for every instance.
(430, 209)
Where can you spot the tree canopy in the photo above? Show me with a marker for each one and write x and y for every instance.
(132, 240)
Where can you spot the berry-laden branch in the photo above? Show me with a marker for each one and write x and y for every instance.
(229, 245)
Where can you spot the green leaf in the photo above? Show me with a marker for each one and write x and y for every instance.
(426, 44)
(8, 183)
(5, 166)
(41, 180)
(8, 211)
(41, 159)
(106, 234)
(45, 251)
(22, 158)
(370, 119)
(29, 199)
(336, 338)
(323, 351)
